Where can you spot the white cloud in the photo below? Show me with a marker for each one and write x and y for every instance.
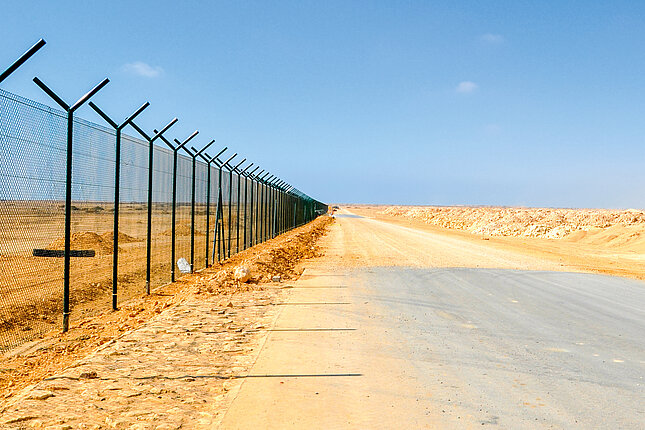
(466, 87)
(493, 39)
(140, 68)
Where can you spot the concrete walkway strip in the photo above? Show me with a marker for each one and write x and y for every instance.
(329, 378)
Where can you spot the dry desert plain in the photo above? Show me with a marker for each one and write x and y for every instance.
(590, 240)
(31, 286)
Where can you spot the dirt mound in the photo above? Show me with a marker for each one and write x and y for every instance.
(283, 261)
(281, 256)
(85, 240)
(123, 238)
(182, 230)
(617, 236)
(526, 222)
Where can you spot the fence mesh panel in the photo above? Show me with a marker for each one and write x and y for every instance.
(201, 170)
(182, 210)
(92, 217)
(31, 216)
(161, 216)
(133, 213)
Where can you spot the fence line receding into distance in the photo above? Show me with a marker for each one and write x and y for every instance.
(86, 211)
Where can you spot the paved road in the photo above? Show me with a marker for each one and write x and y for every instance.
(384, 333)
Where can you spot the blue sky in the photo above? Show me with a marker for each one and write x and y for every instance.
(402, 102)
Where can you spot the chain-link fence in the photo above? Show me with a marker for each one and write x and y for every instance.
(231, 210)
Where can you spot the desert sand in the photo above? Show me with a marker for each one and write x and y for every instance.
(592, 240)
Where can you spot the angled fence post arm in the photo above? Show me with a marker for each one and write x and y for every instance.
(258, 206)
(246, 187)
(209, 160)
(219, 214)
(150, 176)
(237, 207)
(117, 178)
(173, 227)
(194, 154)
(24, 57)
(265, 214)
(227, 251)
(264, 206)
(274, 204)
(219, 221)
(217, 238)
(250, 242)
(68, 183)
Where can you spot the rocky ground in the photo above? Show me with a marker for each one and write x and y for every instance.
(547, 223)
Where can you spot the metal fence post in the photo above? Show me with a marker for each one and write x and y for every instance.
(282, 197)
(230, 210)
(251, 209)
(246, 186)
(258, 210)
(208, 159)
(150, 174)
(218, 220)
(228, 166)
(263, 207)
(237, 204)
(260, 207)
(279, 215)
(271, 209)
(237, 221)
(117, 178)
(193, 154)
(175, 150)
(248, 212)
(275, 208)
(246, 208)
(270, 212)
(258, 203)
(278, 220)
(68, 182)
(254, 219)
(267, 211)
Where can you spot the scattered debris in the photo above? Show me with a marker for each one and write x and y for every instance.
(183, 265)
(242, 274)
(40, 395)
(88, 375)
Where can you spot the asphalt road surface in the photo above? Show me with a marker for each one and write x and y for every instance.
(398, 328)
